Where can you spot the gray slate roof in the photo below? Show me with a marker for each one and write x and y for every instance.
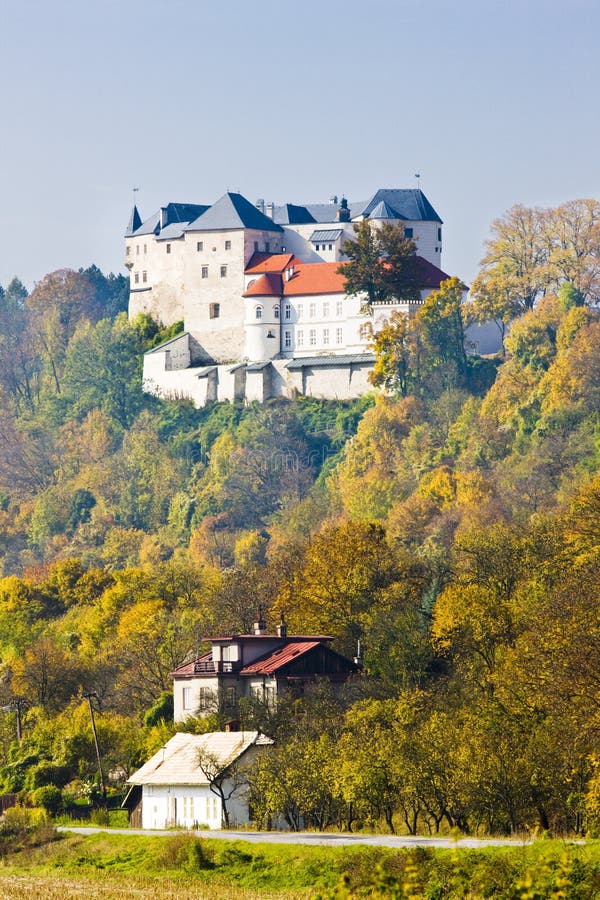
(291, 214)
(230, 212)
(326, 234)
(364, 359)
(383, 211)
(135, 220)
(407, 203)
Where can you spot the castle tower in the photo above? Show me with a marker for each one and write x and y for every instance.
(262, 318)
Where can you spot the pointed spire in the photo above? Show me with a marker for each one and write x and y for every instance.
(135, 220)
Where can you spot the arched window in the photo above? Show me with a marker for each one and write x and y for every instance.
(258, 312)
(276, 312)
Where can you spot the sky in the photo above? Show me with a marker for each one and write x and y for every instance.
(492, 102)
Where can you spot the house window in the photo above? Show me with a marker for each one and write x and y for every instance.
(288, 311)
(312, 337)
(144, 277)
(312, 310)
(408, 232)
(168, 248)
(229, 696)
(439, 234)
(136, 277)
(325, 310)
(223, 271)
(199, 246)
(270, 697)
(326, 336)
(214, 310)
(300, 338)
(267, 247)
(204, 698)
(339, 308)
(258, 312)
(276, 312)
(339, 336)
(287, 340)
(228, 245)
(205, 271)
(187, 698)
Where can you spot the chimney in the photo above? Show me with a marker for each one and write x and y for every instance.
(260, 626)
(282, 628)
(260, 205)
(343, 213)
(270, 209)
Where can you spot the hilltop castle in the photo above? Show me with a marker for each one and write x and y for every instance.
(257, 287)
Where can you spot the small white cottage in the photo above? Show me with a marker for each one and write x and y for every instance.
(195, 781)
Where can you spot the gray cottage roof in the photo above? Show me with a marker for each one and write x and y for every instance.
(407, 203)
(231, 212)
(177, 761)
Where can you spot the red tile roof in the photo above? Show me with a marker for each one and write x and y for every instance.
(429, 275)
(260, 263)
(314, 278)
(265, 286)
(279, 658)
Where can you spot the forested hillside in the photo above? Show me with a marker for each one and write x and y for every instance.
(450, 524)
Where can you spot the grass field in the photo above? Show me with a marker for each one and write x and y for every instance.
(183, 867)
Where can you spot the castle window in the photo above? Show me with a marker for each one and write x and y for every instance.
(228, 245)
(325, 310)
(256, 246)
(199, 246)
(276, 312)
(312, 337)
(408, 232)
(127, 251)
(312, 310)
(288, 311)
(267, 247)
(214, 310)
(223, 271)
(339, 336)
(339, 308)
(325, 336)
(136, 277)
(144, 277)
(300, 338)
(331, 246)
(439, 234)
(300, 310)
(317, 247)
(168, 248)
(205, 271)
(287, 340)
(137, 249)
(145, 248)
(258, 312)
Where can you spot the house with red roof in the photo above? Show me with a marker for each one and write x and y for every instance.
(260, 666)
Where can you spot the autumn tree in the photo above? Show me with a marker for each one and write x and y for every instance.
(381, 263)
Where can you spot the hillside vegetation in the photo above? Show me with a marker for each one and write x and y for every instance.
(451, 525)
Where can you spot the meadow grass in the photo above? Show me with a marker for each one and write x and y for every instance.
(183, 866)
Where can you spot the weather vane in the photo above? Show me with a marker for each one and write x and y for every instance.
(135, 190)
(418, 177)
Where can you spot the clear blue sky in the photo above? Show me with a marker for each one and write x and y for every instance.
(494, 102)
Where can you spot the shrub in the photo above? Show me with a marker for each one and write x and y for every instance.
(49, 798)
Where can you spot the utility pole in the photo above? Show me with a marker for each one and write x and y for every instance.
(88, 697)
(18, 704)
